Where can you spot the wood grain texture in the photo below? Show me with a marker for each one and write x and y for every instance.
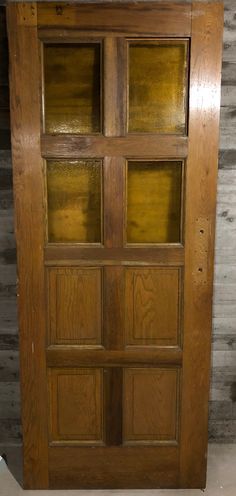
(151, 412)
(220, 309)
(202, 165)
(99, 146)
(121, 19)
(28, 196)
(75, 306)
(114, 182)
(65, 356)
(113, 302)
(68, 470)
(115, 97)
(71, 255)
(224, 322)
(76, 406)
(153, 306)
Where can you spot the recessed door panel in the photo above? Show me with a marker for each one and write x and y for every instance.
(153, 306)
(150, 408)
(75, 306)
(76, 405)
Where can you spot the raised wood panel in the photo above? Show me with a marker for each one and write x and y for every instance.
(150, 405)
(153, 306)
(75, 301)
(76, 405)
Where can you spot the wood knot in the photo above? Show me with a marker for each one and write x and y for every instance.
(59, 10)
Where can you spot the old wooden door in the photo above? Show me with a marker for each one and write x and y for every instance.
(115, 111)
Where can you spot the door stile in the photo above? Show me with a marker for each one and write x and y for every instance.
(114, 180)
(201, 176)
(29, 227)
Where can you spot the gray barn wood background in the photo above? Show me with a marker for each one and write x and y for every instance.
(222, 426)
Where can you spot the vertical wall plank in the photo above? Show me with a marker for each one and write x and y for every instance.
(29, 228)
(207, 21)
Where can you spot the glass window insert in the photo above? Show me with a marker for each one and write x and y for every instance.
(157, 86)
(154, 201)
(72, 88)
(74, 201)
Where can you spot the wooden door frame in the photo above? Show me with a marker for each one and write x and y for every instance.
(203, 23)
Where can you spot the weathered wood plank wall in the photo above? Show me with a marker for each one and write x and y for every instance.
(223, 391)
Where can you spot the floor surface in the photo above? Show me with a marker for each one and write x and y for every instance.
(221, 478)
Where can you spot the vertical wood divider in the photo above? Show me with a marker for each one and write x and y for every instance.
(201, 177)
(114, 187)
(29, 227)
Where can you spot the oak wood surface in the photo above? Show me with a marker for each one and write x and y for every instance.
(123, 19)
(28, 197)
(205, 70)
(70, 356)
(112, 465)
(154, 463)
(57, 146)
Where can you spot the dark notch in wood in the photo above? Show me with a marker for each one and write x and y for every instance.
(113, 405)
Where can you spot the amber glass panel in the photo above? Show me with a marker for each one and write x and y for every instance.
(74, 201)
(157, 87)
(72, 88)
(154, 202)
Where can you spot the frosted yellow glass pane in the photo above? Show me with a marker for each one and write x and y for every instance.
(157, 87)
(74, 201)
(154, 202)
(72, 88)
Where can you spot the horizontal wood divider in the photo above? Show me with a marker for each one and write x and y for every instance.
(75, 255)
(167, 18)
(74, 356)
(74, 146)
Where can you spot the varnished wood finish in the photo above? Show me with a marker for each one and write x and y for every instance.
(165, 255)
(152, 306)
(115, 97)
(111, 391)
(129, 146)
(70, 356)
(153, 394)
(76, 406)
(168, 19)
(114, 181)
(28, 196)
(75, 306)
(201, 179)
